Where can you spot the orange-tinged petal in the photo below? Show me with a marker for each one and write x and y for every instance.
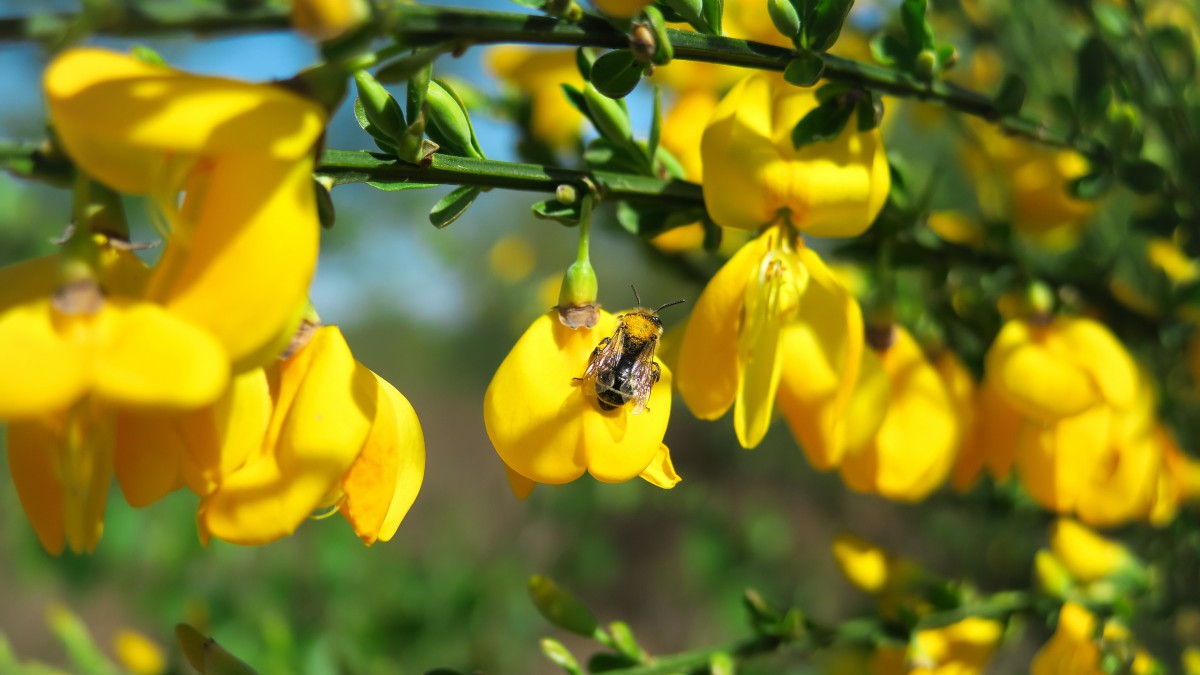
(707, 371)
(824, 348)
(42, 370)
(383, 482)
(244, 267)
(123, 120)
(154, 359)
(31, 462)
(324, 403)
(148, 454)
(521, 486)
(661, 472)
(997, 432)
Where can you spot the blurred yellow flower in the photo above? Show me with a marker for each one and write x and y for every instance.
(243, 245)
(894, 582)
(546, 429)
(1027, 184)
(915, 443)
(753, 175)
(138, 654)
(774, 320)
(1087, 556)
(328, 19)
(539, 74)
(961, 648)
(1074, 647)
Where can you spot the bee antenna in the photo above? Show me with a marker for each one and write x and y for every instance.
(673, 302)
(635, 295)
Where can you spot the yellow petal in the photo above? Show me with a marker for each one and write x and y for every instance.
(737, 152)
(148, 454)
(1055, 466)
(622, 9)
(1123, 484)
(864, 564)
(546, 428)
(31, 462)
(824, 348)
(220, 438)
(154, 359)
(661, 472)
(26, 281)
(52, 369)
(1093, 348)
(1085, 554)
(328, 19)
(324, 403)
(1029, 369)
(707, 372)
(998, 429)
(122, 119)
(384, 480)
(771, 300)
(244, 265)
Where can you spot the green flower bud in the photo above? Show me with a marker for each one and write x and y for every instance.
(925, 65)
(382, 111)
(784, 16)
(450, 119)
(610, 117)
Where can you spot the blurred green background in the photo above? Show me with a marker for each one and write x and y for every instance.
(434, 313)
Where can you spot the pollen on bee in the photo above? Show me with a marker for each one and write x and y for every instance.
(640, 327)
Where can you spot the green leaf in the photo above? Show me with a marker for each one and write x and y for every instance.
(824, 24)
(560, 656)
(531, 4)
(804, 70)
(822, 123)
(1092, 89)
(648, 220)
(584, 61)
(552, 209)
(1142, 176)
(713, 15)
(1091, 185)
(888, 51)
(603, 662)
(721, 663)
(326, 214)
(616, 73)
(690, 11)
(916, 27)
(870, 111)
(399, 185)
(655, 124)
(561, 608)
(624, 640)
(449, 208)
(1011, 96)
(147, 55)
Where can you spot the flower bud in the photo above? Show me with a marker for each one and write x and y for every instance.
(784, 16)
(381, 109)
(925, 65)
(609, 116)
(450, 119)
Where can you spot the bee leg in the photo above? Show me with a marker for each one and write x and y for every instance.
(655, 371)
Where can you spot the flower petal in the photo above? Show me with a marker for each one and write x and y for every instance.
(618, 445)
(383, 482)
(824, 348)
(1030, 369)
(324, 403)
(242, 268)
(661, 472)
(1093, 348)
(707, 368)
(1054, 468)
(221, 437)
(32, 464)
(52, 369)
(154, 359)
(122, 119)
(521, 486)
(148, 455)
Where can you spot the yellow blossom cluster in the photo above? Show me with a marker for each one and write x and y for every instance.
(207, 369)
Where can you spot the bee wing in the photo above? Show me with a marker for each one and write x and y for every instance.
(641, 379)
(601, 368)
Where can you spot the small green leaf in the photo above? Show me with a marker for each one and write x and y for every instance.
(625, 642)
(824, 23)
(870, 111)
(721, 663)
(691, 11)
(560, 656)
(583, 61)
(552, 209)
(1011, 96)
(1143, 176)
(616, 73)
(655, 123)
(147, 55)
(888, 51)
(561, 608)
(1091, 185)
(326, 214)
(449, 208)
(804, 70)
(713, 15)
(912, 16)
(399, 185)
(603, 662)
(822, 123)
(403, 69)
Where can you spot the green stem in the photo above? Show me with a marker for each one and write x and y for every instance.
(346, 166)
(583, 252)
(697, 661)
(420, 25)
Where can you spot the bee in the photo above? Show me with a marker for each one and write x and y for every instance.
(622, 369)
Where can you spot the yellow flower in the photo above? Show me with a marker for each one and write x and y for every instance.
(893, 581)
(138, 654)
(1060, 368)
(538, 73)
(1086, 555)
(546, 429)
(752, 174)
(1075, 649)
(243, 244)
(1027, 184)
(961, 648)
(914, 445)
(328, 19)
(621, 9)
(774, 321)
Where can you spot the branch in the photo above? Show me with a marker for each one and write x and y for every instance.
(348, 166)
(421, 25)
